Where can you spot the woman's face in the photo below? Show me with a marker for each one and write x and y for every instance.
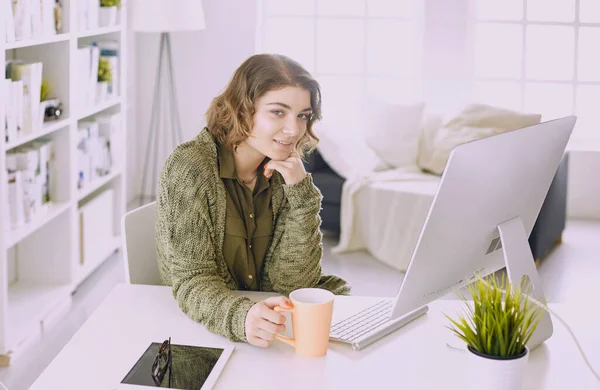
(280, 122)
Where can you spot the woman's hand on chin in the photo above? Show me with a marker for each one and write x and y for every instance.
(291, 169)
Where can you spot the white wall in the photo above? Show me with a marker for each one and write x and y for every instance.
(447, 64)
(583, 193)
(204, 61)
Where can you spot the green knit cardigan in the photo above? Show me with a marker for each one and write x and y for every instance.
(190, 230)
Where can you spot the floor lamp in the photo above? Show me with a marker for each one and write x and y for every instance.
(163, 17)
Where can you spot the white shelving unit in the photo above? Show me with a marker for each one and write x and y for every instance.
(41, 263)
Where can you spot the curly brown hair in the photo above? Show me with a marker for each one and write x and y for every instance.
(230, 115)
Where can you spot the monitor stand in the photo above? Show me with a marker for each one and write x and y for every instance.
(520, 265)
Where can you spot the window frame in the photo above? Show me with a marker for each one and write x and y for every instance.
(582, 139)
(365, 76)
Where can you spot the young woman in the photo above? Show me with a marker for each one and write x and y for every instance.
(237, 210)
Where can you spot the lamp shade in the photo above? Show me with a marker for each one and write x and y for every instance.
(167, 15)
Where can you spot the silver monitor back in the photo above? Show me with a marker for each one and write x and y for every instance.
(485, 183)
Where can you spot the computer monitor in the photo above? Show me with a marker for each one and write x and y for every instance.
(487, 202)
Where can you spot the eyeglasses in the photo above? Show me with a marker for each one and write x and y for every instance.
(162, 362)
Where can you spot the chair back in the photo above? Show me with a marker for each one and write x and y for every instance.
(139, 247)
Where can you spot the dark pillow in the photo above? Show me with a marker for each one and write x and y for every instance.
(313, 162)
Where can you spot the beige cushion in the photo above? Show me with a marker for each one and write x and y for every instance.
(394, 131)
(476, 121)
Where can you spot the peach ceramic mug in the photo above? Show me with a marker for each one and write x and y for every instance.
(311, 320)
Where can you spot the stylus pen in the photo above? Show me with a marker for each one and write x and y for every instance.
(391, 326)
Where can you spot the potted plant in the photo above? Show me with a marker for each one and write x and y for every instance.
(496, 328)
(109, 12)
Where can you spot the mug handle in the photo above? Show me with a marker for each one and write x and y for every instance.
(288, 340)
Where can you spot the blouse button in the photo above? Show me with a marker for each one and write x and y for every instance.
(250, 277)
(251, 215)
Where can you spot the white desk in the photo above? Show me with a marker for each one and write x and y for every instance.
(110, 342)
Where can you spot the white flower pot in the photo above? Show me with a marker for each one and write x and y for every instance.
(108, 16)
(496, 373)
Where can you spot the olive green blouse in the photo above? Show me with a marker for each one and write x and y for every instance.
(248, 223)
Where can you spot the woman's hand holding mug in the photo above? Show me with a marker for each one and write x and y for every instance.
(263, 323)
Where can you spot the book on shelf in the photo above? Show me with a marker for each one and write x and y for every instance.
(16, 204)
(13, 110)
(49, 15)
(28, 94)
(31, 177)
(8, 102)
(88, 58)
(29, 19)
(9, 20)
(22, 20)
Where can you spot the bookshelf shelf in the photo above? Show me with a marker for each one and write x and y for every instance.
(47, 129)
(99, 31)
(99, 108)
(29, 303)
(14, 236)
(97, 184)
(38, 41)
(40, 263)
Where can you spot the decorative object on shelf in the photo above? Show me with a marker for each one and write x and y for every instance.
(109, 55)
(109, 126)
(58, 16)
(109, 12)
(88, 14)
(94, 151)
(50, 108)
(104, 79)
(53, 109)
(164, 17)
(496, 329)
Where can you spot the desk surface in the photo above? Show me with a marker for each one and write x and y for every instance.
(414, 357)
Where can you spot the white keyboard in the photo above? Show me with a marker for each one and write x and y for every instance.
(352, 328)
(371, 324)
